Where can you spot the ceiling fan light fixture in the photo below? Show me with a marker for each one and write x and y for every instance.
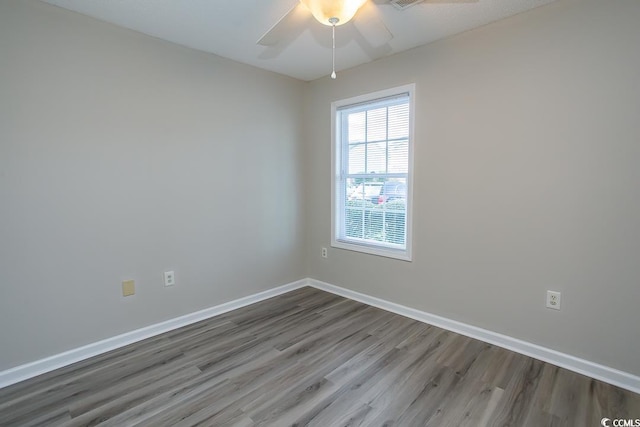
(325, 10)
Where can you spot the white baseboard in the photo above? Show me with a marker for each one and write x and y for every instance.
(29, 370)
(600, 372)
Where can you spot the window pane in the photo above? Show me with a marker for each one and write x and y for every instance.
(377, 124)
(377, 157)
(393, 189)
(374, 227)
(356, 127)
(356, 158)
(399, 121)
(376, 210)
(399, 156)
(354, 222)
(363, 189)
(395, 221)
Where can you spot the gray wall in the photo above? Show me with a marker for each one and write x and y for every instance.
(121, 157)
(527, 173)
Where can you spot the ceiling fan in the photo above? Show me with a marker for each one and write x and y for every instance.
(334, 13)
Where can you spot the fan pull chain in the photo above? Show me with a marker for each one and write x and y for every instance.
(333, 22)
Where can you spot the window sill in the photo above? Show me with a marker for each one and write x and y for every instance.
(401, 254)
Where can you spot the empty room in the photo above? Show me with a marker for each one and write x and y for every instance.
(323, 213)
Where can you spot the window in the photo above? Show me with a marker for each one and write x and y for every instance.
(372, 173)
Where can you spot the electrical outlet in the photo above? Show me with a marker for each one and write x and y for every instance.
(553, 300)
(169, 278)
(324, 252)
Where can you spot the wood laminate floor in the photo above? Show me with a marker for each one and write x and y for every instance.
(312, 358)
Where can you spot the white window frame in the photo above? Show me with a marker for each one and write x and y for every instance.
(338, 195)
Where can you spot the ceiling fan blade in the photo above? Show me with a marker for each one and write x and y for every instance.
(291, 23)
(371, 26)
(450, 1)
(405, 4)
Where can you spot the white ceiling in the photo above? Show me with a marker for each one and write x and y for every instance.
(231, 28)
